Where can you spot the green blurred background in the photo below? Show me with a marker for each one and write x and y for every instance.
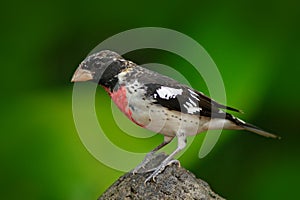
(255, 44)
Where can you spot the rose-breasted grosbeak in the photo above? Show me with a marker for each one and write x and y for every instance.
(157, 102)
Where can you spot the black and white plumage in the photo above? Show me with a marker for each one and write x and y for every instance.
(157, 102)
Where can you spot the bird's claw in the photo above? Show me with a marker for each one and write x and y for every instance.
(174, 162)
(160, 169)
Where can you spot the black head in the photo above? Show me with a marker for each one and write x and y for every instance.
(102, 68)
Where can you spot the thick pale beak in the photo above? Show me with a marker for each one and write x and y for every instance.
(82, 75)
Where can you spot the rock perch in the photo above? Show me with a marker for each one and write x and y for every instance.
(174, 183)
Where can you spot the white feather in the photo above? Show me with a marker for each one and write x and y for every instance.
(167, 92)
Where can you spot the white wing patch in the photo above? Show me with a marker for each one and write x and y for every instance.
(194, 104)
(168, 93)
(191, 106)
(190, 109)
(194, 94)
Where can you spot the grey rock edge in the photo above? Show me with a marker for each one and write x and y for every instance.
(173, 183)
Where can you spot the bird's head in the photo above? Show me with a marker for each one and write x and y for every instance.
(101, 67)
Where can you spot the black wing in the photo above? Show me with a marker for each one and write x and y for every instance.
(184, 99)
(176, 96)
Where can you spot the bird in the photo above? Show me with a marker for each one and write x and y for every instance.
(158, 103)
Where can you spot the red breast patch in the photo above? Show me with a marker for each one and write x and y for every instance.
(120, 99)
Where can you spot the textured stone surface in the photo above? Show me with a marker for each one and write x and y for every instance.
(174, 183)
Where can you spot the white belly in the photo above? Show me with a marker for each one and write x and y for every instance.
(162, 120)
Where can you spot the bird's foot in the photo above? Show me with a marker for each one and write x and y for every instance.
(143, 164)
(160, 169)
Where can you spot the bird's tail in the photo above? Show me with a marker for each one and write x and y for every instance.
(254, 129)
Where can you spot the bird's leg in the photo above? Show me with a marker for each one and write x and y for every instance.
(150, 155)
(169, 160)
